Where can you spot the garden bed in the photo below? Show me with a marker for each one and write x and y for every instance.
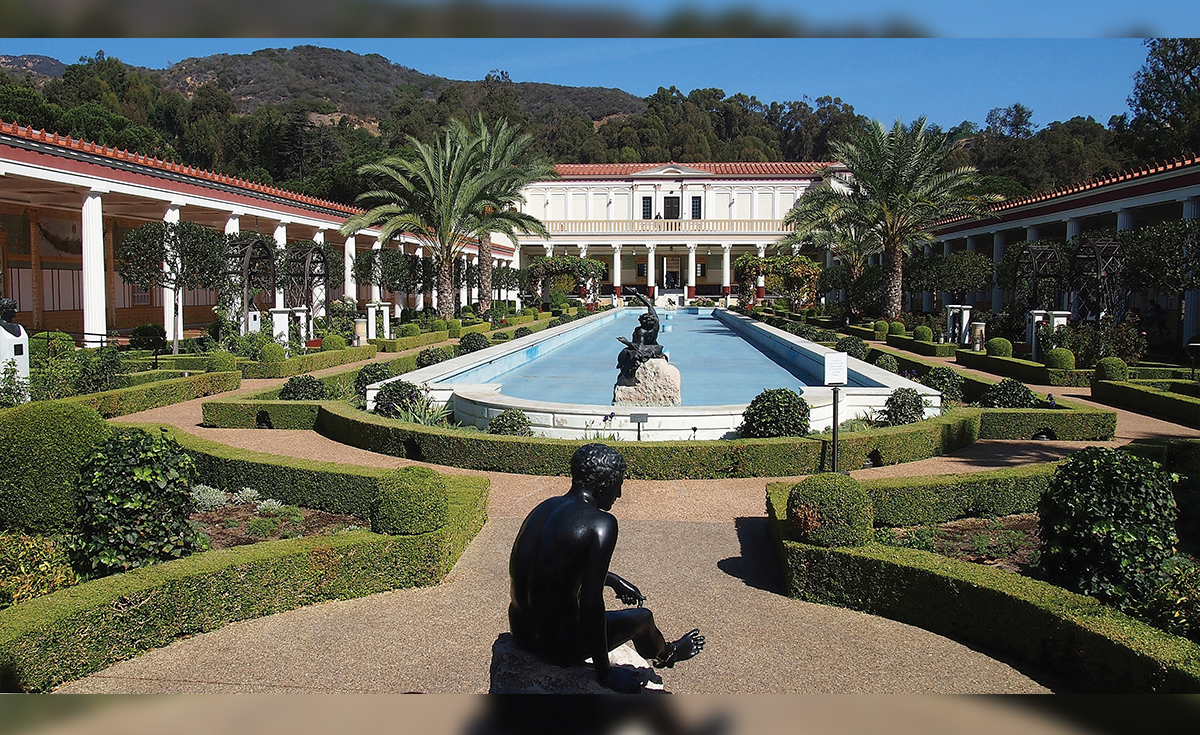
(1146, 398)
(928, 349)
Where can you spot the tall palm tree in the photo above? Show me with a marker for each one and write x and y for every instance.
(505, 149)
(898, 188)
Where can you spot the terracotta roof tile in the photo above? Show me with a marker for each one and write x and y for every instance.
(772, 168)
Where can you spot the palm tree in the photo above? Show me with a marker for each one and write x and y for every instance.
(436, 194)
(898, 189)
(505, 149)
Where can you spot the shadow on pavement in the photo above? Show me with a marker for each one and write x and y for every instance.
(756, 566)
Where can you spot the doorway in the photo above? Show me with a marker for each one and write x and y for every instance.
(670, 207)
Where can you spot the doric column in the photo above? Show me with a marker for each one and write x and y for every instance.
(376, 291)
(318, 296)
(726, 279)
(762, 253)
(475, 288)
(35, 271)
(349, 286)
(708, 202)
(1032, 233)
(549, 248)
(650, 281)
(997, 253)
(754, 204)
(616, 271)
(168, 294)
(110, 275)
(280, 244)
(1074, 228)
(1124, 219)
(95, 321)
(1191, 299)
(691, 276)
(233, 224)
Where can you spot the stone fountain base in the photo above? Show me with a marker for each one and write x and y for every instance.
(656, 383)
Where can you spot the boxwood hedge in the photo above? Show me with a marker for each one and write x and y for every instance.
(306, 363)
(1025, 371)
(930, 349)
(123, 401)
(1149, 400)
(400, 344)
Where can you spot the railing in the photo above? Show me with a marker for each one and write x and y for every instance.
(617, 226)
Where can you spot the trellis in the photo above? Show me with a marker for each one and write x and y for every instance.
(307, 264)
(251, 264)
(1042, 262)
(1099, 279)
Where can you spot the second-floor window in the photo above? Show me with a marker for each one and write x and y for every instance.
(647, 207)
(696, 214)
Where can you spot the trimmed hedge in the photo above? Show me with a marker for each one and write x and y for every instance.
(411, 500)
(1025, 371)
(830, 509)
(77, 631)
(481, 327)
(129, 380)
(998, 347)
(860, 332)
(190, 363)
(929, 349)
(306, 363)
(124, 401)
(1148, 400)
(400, 344)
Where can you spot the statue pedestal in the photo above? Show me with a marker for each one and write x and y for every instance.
(656, 383)
(514, 671)
(15, 348)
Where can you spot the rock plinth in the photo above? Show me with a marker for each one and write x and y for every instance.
(515, 671)
(656, 383)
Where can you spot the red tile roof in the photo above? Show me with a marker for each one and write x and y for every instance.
(772, 168)
(28, 133)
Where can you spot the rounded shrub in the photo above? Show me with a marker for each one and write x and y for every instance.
(775, 412)
(303, 388)
(411, 500)
(409, 330)
(396, 397)
(42, 447)
(372, 372)
(147, 337)
(896, 328)
(998, 347)
(501, 337)
(1111, 368)
(431, 356)
(852, 346)
(1060, 358)
(220, 362)
(904, 406)
(888, 363)
(272, 353)
(332, 342)
(522, 332)
(134, 502)
(947, 381)
(512, 422)
(438, 325)
(467, 311)
(454, 326)
(830, 509)
(1107, 526)
(881, 329)
(472, 342)
(923, 334)
(1008, 393)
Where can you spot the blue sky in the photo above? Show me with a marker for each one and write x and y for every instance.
(948, 80)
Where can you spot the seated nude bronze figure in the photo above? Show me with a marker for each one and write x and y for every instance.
(644, 345)
(559, 569)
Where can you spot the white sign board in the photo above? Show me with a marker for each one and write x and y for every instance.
(835, 368)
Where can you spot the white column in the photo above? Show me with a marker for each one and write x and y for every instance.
(233, 224)
(726, 267)
(587, 202)
(475, 289)
(1074, 229)
(1124, 219)
(318, 299)
(616, 271)
(927, 296)
(95, 318)
(420, 302)
(691, 275)
(583, 248)
(1191, 299)
(168, 294)
(650, 268)
(754, 203)
(349, 286)
(997, 254)
(708, 202)
(280, 244)
(762, 253)
(549, 248)
(376, 292)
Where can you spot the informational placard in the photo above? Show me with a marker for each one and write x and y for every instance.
(639, 418)
(835, 368)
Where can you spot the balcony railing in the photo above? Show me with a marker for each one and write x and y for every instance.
(699, 226)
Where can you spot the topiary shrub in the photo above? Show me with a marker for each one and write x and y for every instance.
(1107, 526)
(904, 406)
(830, 509)
(372, 372)
(332, 342)
(472, 342)
(396, 397)
(896, 328)
(501, 337)
(431, 356)
(411, 500)
(1008, 393)
(438, 325)
(853, 346)
(148, 337)
(454, 326)
(134, 502)
(303, 388)
(220, 362)
(998, 347)
(42, 447)
(467, 311)
(1060, 358)
(881, 329)
(522, 332)
(888, 363)
(775, 412)
(923, 334)
(512, 422)
(1111, 368)
(409, 330)
(272, 353)
(947, 381)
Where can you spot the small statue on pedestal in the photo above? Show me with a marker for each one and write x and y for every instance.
(644, 345)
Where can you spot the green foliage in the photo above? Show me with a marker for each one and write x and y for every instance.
(830, 509)
(1111, 368)
(1008, 393)
(98, 370)
(431, 356)
(948, 381)
(42, 447)
(896, 328)
(14, 390)
(998, 347)
(775, 412)
(208, 498)
(512, 422)
(1091, 342)
(398, 396)
(138, 398)
(409, 330)
(134, 503)
(881, 329)
(148, 337)
(853, 347)
(272, 353)
(888, 363)
(437, 325)
(32, 566)
(923, 334)
(1060, 358)
(904, 406)
(412, 500)
(1107, 525)
(221, 361)
(472, 342)
(331, 342)
(372, 372)
(303, 388)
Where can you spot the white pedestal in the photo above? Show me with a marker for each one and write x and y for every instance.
(385, 315)
(1032, 320)
(372, 308)
(252, 322)
(15, 348)
(978, 335)
(958, 323)
(279, 324)
(360, 332)
(301, 313)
